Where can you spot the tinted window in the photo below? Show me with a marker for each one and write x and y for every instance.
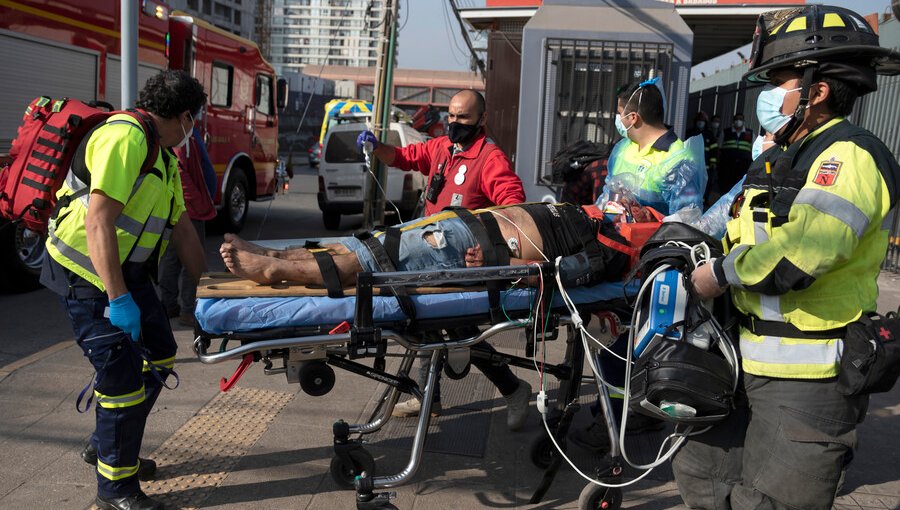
(220, 86)
(264, 94)
(342, 147)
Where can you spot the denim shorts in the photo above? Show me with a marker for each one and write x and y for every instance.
(452, 237)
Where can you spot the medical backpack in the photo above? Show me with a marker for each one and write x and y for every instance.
(42, 153)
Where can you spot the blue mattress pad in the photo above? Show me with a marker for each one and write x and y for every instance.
(219, 316)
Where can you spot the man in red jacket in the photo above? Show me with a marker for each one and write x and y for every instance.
(465, 169)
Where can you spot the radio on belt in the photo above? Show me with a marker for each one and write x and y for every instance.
(668, 299)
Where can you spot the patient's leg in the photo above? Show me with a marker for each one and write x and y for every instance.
(266, 270)
(293, 253)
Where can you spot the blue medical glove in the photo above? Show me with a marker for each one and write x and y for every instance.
(364, 138)
(125, 315)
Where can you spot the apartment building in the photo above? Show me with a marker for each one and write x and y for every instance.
(324, 32)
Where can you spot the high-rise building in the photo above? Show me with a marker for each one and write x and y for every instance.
(235, 16)
(319, 32)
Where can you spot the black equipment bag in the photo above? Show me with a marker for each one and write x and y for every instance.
(568, 163)
(677, 371)
(870, 362)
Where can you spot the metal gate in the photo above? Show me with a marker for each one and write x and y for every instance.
(582, 77)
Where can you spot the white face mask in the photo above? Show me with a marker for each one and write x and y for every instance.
(187, 136)
(760, 145)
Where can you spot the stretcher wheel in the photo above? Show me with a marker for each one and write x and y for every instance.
(595, 497)
(453, 374)
(344, 474)
(316, 378)
(198, 342)
(542, 451)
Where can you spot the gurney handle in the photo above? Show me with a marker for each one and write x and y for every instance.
(227, 384)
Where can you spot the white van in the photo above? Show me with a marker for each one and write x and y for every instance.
(342, 174)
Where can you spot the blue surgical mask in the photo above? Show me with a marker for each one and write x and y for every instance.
(768, 108)
(620, 127)
(700, 124)
(759, 146)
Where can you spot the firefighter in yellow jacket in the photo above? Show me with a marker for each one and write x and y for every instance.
(804, 250)
(113, 223)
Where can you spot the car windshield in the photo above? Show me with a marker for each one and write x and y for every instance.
(341, 146)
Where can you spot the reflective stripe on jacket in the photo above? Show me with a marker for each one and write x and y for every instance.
(153, 202)
(812, 260)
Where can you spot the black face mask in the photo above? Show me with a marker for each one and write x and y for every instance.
(462, 133)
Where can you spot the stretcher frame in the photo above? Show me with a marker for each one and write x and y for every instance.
(313, 345)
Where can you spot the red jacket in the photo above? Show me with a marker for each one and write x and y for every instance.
(196, 197)
(480, 176)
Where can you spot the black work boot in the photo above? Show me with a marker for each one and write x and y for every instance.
(146, 467)
(136, 501)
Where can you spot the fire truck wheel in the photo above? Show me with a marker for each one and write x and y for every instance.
(235, 203)
(21, 254)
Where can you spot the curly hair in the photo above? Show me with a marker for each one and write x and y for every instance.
(169, 93)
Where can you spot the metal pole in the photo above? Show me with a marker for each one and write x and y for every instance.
(381, 170)
(370, 213)
(128, 49)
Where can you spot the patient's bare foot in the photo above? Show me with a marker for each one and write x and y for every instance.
(235, 241)
(259, 268)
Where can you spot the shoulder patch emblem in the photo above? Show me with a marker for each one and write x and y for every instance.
(828, 172)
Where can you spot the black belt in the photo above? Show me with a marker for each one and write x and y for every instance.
(387, 256)
(783, 329)
(486, 231)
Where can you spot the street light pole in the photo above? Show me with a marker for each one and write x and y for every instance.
(128, 48)
(373, 206)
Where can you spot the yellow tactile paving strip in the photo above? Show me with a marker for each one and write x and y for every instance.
(199, 455)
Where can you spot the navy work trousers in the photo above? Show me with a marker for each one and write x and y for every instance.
(120, 373)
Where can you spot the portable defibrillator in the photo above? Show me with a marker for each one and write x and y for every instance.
(666, 306)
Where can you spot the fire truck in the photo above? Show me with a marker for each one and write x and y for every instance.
(71, 48)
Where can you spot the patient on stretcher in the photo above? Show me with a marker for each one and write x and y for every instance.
(505, 235)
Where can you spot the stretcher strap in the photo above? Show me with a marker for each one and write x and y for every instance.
(493, 246)
(387, 264)
(329, 274)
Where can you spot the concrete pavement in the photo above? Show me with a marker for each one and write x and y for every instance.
(268, 446)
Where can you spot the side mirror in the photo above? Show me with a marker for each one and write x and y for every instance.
(281, 93)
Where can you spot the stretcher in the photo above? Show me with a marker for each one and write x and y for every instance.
(303, 333)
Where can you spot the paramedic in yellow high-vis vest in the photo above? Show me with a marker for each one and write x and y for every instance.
(804, 249)
(103, 248)
(652, 166)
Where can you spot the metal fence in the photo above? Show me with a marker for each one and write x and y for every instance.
(878, 112)
(581, 81)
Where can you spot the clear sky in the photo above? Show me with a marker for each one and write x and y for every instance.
(430, 36)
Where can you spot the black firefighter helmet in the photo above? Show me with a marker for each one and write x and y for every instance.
(834, 41)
